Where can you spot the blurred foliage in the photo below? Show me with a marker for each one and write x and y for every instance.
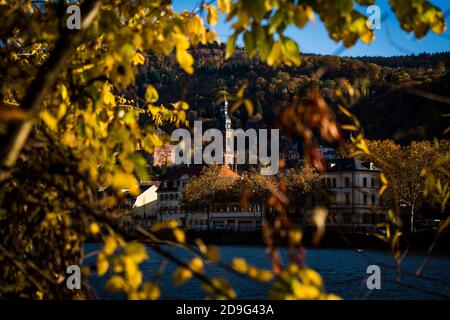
(71, 126)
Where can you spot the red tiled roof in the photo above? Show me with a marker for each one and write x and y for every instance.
(227, 172)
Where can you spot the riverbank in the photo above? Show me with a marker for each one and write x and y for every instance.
(419, 242)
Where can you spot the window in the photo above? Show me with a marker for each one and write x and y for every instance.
(365, 182)
(334, 182)
(347, 182)
(366, 218)
(347, 218)
(374, 199)
(365, 196)
(372, 182)
(347, 198)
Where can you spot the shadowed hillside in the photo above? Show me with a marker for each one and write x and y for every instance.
(391, 108)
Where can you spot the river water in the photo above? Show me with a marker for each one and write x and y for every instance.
(343, 271)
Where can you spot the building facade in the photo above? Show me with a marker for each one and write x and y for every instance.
(146, 204)
(170, 193)
(354, 187)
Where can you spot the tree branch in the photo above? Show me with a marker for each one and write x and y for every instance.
(43, 82)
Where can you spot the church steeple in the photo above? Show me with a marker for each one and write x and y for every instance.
(227, 120)
(229, 154)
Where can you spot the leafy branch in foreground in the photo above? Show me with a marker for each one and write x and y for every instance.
(71, 125)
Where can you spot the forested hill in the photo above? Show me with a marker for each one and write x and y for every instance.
(391, 109)
(423, 60)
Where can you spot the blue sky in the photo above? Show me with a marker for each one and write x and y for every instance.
(389, 41)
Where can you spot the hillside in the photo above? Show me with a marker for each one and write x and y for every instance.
(389, 110)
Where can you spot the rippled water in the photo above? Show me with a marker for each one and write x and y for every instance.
(343, 271)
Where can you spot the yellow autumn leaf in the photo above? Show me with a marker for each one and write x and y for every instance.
(349, 127)
(185, 60)
(181, 42)
(212, 16)
(110, 245)
(240, 265)
(135, 279)
(201, 246)
(196, 265)
(302, 291)
(310, 277)
(252, 272)
(102, 264)
(194, 25)
(382, 190)
(331, 297)
(94, 228)
(49, 120)
(151, 95)
(224, 6)
(124, 180)
(383, 178)
(275, 55)
(345, 111)
(362, 145)
(290, 52)
(130, 266)
(115, 284)
(136, 251)
(310, 14)
(61, 111)
(107, 97)
(149, 291)
(248, 106)
(213, 253)
(137, 58)
(63, 91)
(231, 46)
(179, 235)
(181, 105)
(295, 236)
(181, 276)
(264, 275)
